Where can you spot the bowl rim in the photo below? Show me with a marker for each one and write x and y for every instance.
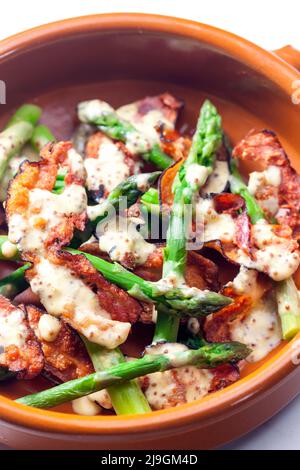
(272, 371)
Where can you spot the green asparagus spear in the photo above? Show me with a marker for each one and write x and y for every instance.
(17, 132)
(208, 356)
(286, 291)
(103, 116)
(41, 136)
(127, 398)
(206, 141)
(26, 113)
(192, 301)
(14, 283)
(287, 297)
(238, 186)
(186, 300)
(12, 140)
(125, 194)
(150, 202)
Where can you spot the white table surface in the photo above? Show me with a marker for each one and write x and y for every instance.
(268, 23)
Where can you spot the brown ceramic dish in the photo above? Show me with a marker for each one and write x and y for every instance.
(120, 58)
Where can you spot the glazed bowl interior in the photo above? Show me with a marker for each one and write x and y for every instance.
(121, 58)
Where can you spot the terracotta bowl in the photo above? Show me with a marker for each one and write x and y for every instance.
(120, 58)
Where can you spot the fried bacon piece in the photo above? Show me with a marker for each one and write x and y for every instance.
(159, 113)
(42, 175)
(228, 203)
(262, 150)
(200, 272)
(166, 183)
(223, 376)
(106, 319)
(174, 144)
(111, 298)
(217, 326)
(19, 347)
(165, 105)
(185, 384)
(66, 357)
(100, 179)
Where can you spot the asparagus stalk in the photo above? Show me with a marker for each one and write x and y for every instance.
(206, 141)
(238, 186)
(288, 307)
(17, 132)
(186, 300)
(123, 196)
(14, 283)
(150, 201)
(286, 291)
(127, 398)
(12, 140)
(26, 113)
(208, 356)
(41, 136)
(106, 119)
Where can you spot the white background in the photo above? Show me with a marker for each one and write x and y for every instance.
(269, 23)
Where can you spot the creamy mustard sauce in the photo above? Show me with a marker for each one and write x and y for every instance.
(63, 294)
(196, 175)
(85, 407)
(260, 330)
(45, 211)
(145, 124)
(274, 254)
(120, 238)
(216, 226)
(91, 405)
(218, 179)
(108, 169)
(48, 327)
(162, 388)
(88, 111)
(245, 281)
(13, 328)
(258, 180)
(74, 161)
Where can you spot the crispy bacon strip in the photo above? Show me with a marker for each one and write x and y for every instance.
(66, 357)
(185, 384)
(261, 150)
(93, 150)
(223, 376)
(166, 104)
(200, 271)
(228, 203)
(174, 144)
(113, 300)
(25, 358)
(217, 325)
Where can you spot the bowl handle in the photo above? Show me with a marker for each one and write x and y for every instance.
(290, 55)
